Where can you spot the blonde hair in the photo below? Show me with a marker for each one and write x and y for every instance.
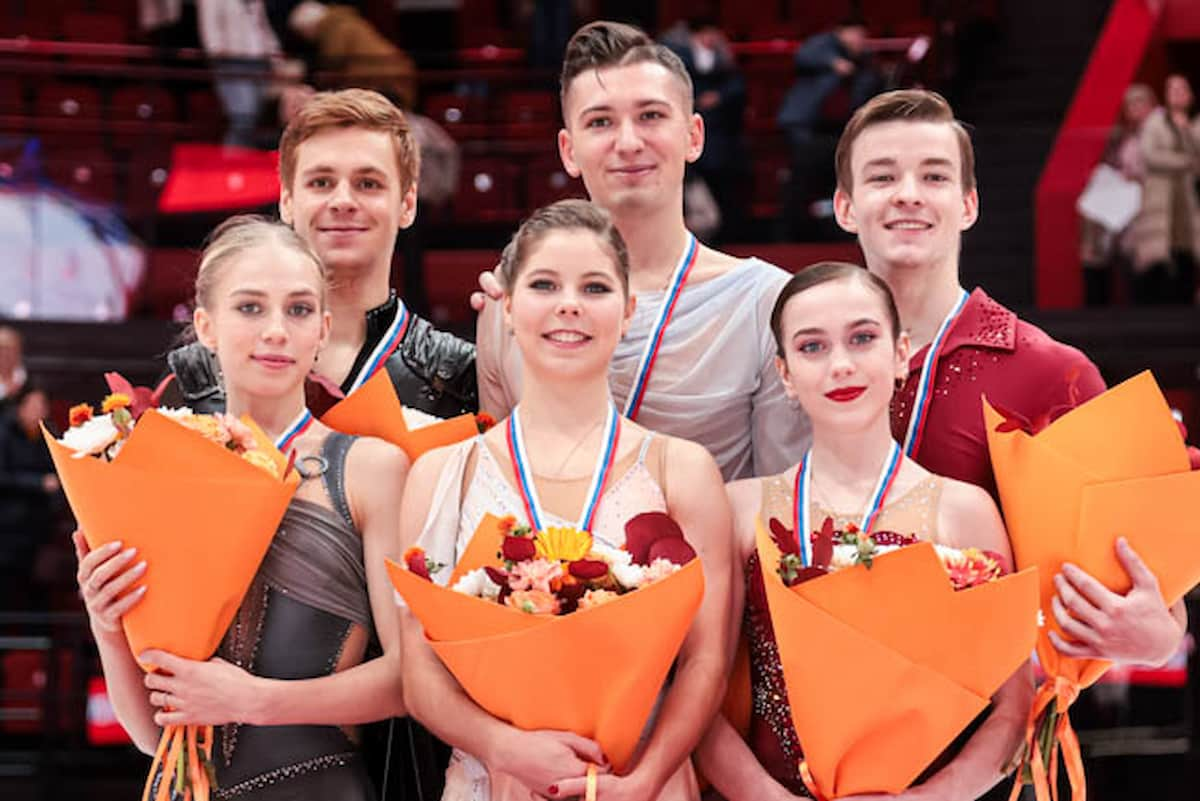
(350, 108)
(565, 215)
(904, 105)
(239, 234)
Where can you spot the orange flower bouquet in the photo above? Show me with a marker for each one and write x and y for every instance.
(200, 497)
(921, 635)
(373, 410)
(545, 605)
(1114, 466)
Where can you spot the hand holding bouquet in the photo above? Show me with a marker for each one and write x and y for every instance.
(152, 478)
(592, 631)
(920, 655)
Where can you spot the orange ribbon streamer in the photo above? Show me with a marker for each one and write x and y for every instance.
(181, 760)
(1060, 692)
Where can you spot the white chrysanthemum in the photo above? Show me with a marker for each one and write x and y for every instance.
(175, 413)
(415, 418)
(479, 584)
(629, 576)
(91, 437)
(613, 556)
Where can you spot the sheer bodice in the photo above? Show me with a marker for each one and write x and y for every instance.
(308, 596)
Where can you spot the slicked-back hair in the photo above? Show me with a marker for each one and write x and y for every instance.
(903, 105)
(602, 44)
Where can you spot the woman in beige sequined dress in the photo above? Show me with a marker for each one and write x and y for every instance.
(841, 352)
(567, 303)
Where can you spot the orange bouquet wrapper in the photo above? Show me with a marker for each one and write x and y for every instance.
(373, 410)
(1113, 467)
(564, 685)
(919, 660)
(201, 517)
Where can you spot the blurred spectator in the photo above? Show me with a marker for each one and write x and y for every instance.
(169, 24)
(720, 99)
(29, 490)
(1105, 247)
(834, 76)
(12, 365)
(1166, 234)
(241, 46)
(348, 47)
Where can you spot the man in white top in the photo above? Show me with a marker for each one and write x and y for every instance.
(698, 360)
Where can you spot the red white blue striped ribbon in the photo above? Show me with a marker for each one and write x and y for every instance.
(633, 403)
(387, 345)
(801, 513)
(297, 427)
(924, 396)
(604, 463)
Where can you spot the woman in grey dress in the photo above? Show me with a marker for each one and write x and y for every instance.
(312, 652)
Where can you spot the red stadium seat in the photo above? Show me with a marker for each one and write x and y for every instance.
(529, 115)
(463, 116)
(487, 191)
(12, 95)
(546, 181)
(90, 174)
(68, 101)
(147, 175)
(136, 109)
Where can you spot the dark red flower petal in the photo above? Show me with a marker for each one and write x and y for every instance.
(588, 569)
(676, 551)
(499, 577)
(518, 549)
(822, 542)
(784, 537)
(646, 529)
(417, 564)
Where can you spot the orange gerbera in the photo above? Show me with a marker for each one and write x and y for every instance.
(117, 400)
(79, 414)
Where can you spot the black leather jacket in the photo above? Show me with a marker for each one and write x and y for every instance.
(432, 370)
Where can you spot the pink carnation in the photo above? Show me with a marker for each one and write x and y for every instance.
(536, 574)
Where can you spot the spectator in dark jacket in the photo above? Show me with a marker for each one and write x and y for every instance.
(29, 490)
(720, 99)
(834, 76)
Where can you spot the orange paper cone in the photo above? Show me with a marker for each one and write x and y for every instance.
(596, 672)
(917, 661)
(200, 515)
(1113, 467)
(373, 410)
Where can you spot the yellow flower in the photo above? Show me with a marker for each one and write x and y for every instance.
(562, 544)
(117, 400)
(263, 461)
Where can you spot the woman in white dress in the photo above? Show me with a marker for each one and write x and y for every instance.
(567, 303)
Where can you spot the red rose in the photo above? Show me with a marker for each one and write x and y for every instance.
(518, 549)
(644, 530)
(588, 569)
